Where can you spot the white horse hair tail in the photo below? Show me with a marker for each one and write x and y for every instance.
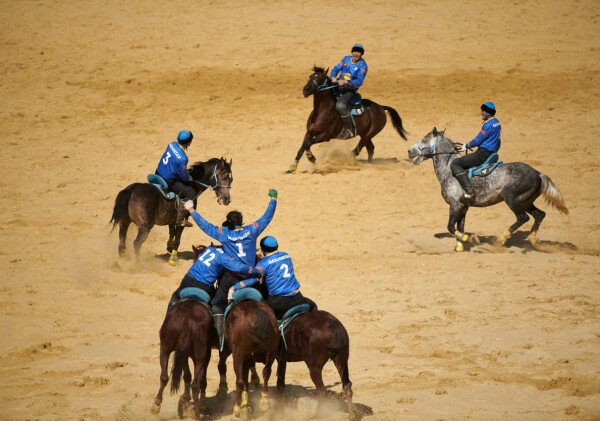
(553, 195)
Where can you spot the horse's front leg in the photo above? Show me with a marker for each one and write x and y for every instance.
(177, 230)
(306, 144)
(456, 226)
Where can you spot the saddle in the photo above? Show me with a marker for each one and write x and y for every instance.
(239, 296)
(355, 105)
(195, 294)
(486, 168)
(290, 315)
(160, 183)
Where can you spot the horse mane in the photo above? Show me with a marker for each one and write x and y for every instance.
(197, 169)
(318, 69)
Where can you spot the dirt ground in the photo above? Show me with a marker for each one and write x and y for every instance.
(93, 91)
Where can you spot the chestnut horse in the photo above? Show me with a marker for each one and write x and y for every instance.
(324, 123)
(250, 328)
(187, 330)
(145, 206)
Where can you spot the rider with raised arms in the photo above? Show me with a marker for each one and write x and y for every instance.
(487, 142)
(238, 242)
(349, 74)
(172, 167)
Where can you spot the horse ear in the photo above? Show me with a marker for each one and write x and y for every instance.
(327, 71)
(434, 131)
(230, 162)
(443, 132)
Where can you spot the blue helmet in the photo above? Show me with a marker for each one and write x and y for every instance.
(185, 136)
(269, 244)
(489, 108)
(358, 47)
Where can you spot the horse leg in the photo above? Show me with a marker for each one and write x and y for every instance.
(186, 397)
(281, 367)
(521, 215)
(123, 227)
(456, 226)
(316, 374)
(341, 363)
(199, 385)
(176, 241)
(139, 240)
(368, 143)
(538, 217)
(254, 379)
(241, 398)
(164, 377)
(222, 366)
(306, 144)
(171, 238)
(264, 399)
(359, 146)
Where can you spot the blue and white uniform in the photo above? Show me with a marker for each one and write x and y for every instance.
(489, 136)
(209, 265)
(173, 164)
(241, 242)
(354, 73)
(278, 273)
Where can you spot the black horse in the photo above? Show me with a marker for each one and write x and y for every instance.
(145, 206)
(324, 123)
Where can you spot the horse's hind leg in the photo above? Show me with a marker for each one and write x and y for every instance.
(521, 215)
(164, 377)
(538, 217)
(123, 227)
(341, 363)
(222, 367)
(139, 240)
(264, 399)
(184, 400)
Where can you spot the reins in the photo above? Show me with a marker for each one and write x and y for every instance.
(432, 149)
(217, 185)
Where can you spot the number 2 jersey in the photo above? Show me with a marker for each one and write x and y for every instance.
(239, 243)
(278, 272)
(209, 265)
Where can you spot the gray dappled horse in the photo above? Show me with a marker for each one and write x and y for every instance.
(515, 183)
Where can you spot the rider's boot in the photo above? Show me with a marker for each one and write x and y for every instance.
(465, 182)
(348, 130)
(218, 320)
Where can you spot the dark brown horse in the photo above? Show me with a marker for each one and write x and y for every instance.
(145, 206)
(187, 330)
(315, 338)
(250, 328)
(324, 123)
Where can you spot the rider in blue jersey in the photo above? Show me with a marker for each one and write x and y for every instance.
(238, 242)
(173, 168)
(278, 274)
(487, 142)
(349, 74)
(204, 273)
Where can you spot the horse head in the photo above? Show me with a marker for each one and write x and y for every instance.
(317, 80)
(426, 147)
(214, 174)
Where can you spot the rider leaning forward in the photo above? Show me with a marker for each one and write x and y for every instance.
(487, 142)
(349, 74)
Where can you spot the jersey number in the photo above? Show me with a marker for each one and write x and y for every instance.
(286, 270)
(240, 250)
(210, 257)
(166, 158)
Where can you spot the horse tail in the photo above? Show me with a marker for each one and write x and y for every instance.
(121, 204)
(260, 328)
(340, 341)
(178, 362)
(396, 121)
(553, 195)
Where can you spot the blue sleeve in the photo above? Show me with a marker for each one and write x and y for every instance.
(264, 220)
(478, 140)
(336, 69)
(236, 266)
(247, 283)
(208, 228)
(182, 170)
(360, 77)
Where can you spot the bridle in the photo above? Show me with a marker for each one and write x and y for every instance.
(322, 87)
(428, 151)
(213, 177)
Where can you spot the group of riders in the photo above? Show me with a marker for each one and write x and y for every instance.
(233, 263)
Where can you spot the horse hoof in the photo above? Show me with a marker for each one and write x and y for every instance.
(264, 402)
(474, 239)
(459, 247)
(532, 238)
(292, 168)
(503, 238)
(155, 408)
(237, 411)
(311, 158)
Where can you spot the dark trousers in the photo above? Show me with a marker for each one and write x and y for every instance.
(282, 303)
(187, 282)
(219, 301)
(462, 164)
(341, 106)
(184, 191)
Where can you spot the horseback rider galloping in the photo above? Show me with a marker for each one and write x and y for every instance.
(487, 142)
(349, 74)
